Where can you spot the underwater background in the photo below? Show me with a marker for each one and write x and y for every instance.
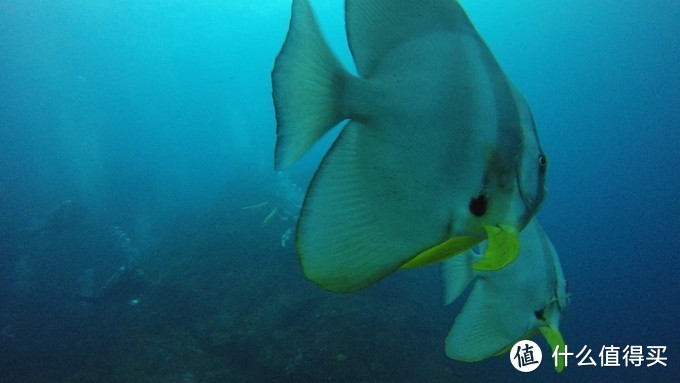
(139, 135)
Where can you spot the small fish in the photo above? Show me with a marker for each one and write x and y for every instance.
(269, 216)
(507, 305)
(256, 206)
(440, 150)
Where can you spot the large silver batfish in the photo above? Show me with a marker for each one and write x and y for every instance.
(440, 151)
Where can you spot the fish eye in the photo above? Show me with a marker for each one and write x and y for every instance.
(542, 161)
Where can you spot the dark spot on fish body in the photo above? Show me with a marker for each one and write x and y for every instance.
(478, 205)
(540, 314)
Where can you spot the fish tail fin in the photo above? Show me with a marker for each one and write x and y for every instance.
(307, 87)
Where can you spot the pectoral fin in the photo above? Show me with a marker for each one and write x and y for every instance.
(503, 248)
(444, 250)
(554, 339)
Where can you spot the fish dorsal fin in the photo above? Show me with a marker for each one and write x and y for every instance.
(374, 27)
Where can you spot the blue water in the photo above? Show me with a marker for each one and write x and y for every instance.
(156, 120)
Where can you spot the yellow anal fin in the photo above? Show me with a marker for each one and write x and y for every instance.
(554, 339)
(503, 248)
(444, 250)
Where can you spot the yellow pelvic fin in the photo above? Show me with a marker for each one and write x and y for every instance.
(554, 339)
(270, 216)
(503, 247)
(444, 250)
(258, 205)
